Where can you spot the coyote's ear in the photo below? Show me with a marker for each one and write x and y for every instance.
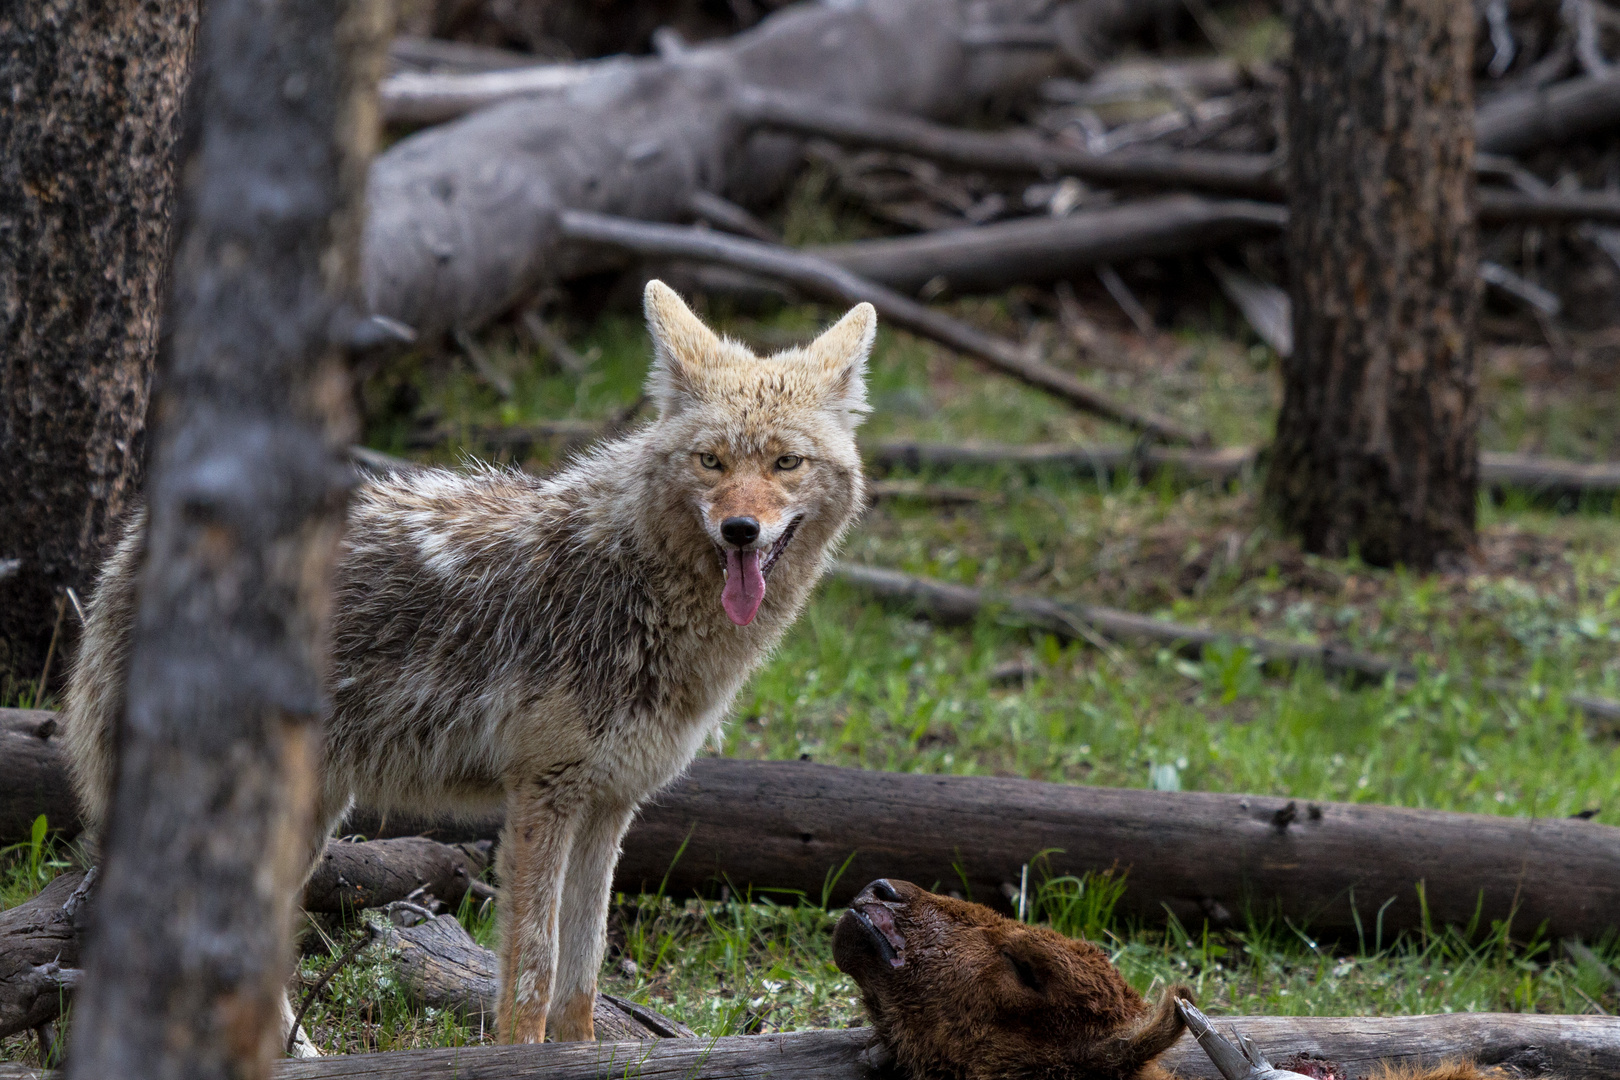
(681, 345)
(841, 354)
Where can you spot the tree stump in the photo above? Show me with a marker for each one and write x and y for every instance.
(1376, 444)
(86, 182)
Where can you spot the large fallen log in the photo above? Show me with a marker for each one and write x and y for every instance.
(825, 279)
(1566, 1047)
(956, 604)
(33, 775)
(791, 826)
(462, 220)
(990, 257)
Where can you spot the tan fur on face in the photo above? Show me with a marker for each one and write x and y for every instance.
(555, 646)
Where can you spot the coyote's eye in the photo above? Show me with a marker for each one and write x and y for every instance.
(788, 461)
(709, 461)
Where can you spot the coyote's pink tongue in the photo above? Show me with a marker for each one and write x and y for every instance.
(745, 586)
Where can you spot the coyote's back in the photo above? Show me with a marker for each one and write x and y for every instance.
(561, 646)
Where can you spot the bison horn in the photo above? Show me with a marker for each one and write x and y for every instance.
(1242, 1061)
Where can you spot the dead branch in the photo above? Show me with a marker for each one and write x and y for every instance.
(1011, 152)
(821, 278)
(440, 965)
(1514, 122)
(374, 873)
(1497, 207)
(1498, 470)
(991, 257)
(462, 221)
(950, 603)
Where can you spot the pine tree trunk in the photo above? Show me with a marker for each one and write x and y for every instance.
(1376, 445)
(92, 100)
(210, 827)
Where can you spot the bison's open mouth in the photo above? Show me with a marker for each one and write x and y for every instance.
(878, 923)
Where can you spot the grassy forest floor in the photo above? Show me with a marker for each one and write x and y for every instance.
(855, 683)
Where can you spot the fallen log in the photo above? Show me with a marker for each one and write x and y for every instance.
(375, 873)
(438, 964)
(1498, 470)
(1515, 122)
(956, 604)
(824, 279)
(991, 257)
(788, 826)
(39, 952)
(33, 776)
(1568, 1047)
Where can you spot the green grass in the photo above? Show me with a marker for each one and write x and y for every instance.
(855, 683)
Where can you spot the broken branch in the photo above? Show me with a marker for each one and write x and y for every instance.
(950, 603)
(825, 279)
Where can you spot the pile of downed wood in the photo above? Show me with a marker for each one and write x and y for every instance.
(783, 828)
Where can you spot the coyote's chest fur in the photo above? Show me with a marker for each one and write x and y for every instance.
(491, 627)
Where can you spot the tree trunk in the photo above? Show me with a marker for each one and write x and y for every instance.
(86, 180)
(1376, 444)
(212, 808)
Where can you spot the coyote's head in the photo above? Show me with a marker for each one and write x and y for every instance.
(760, 449)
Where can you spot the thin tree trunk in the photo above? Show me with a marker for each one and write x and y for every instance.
(1376, 445)
(92, 99)
(210, 826)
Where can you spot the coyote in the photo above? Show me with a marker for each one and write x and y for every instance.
(564, 645)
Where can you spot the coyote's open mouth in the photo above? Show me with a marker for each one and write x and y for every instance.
(745, 576)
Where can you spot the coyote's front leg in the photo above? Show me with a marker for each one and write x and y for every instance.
(583, 932)
(532, 863)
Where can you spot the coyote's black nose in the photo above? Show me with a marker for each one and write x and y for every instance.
(739, 530)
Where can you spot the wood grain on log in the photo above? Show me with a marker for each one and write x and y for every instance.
(373, 873)
(791, 825)
(990, 257)
(463, 216)
(823, 278)
(39, 953)
(1569, 1047)
(438, 964)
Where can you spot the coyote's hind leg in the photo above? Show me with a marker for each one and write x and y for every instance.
(531, 863)
(582, 933)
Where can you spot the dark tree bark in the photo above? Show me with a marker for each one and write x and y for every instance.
(212, 809)
(1376, 445)
(92, 97)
